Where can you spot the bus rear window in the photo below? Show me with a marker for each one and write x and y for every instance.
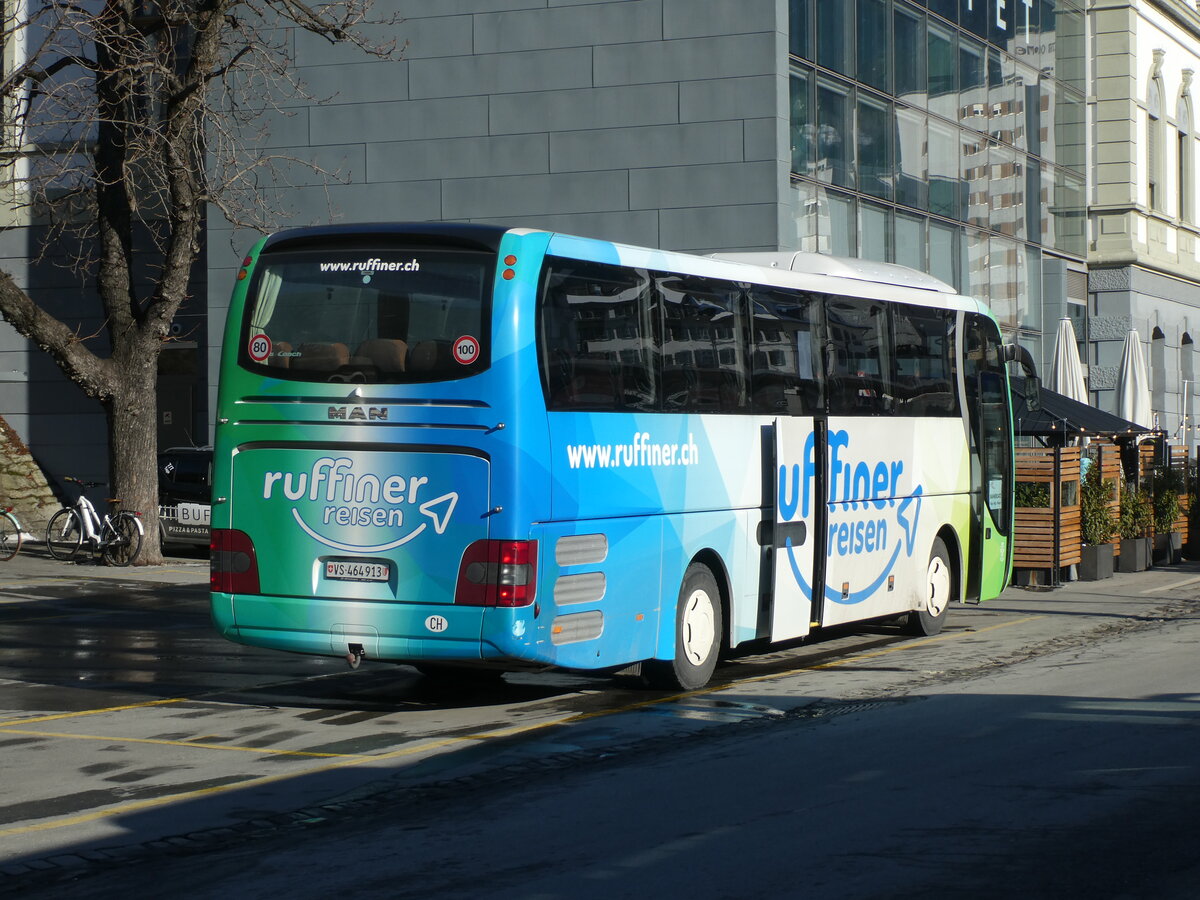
(369, 316)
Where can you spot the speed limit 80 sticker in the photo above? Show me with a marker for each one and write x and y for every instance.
(259, 348)
(466, 350)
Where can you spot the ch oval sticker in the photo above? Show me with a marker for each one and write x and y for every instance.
(437, 623)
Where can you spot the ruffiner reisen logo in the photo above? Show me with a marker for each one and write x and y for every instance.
(332, 498)
(873, 513)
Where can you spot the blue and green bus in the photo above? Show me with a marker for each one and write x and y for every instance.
(462, 446)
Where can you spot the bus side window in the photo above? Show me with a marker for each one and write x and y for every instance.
(595, 345)
(860, 366)
(785, 353)
(704, 351)
(925, 380)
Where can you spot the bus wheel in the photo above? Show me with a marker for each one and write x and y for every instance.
(697, 635)
(939, 591)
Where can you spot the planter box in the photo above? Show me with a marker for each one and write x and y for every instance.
(1135, 555)
(1096, 562)
(1168, 549)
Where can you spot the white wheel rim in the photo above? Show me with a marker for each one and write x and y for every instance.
(698, 627)
(939, 586)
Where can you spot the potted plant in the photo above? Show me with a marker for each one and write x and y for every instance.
(1133, 525)
(1168, 543)
(1097, 527)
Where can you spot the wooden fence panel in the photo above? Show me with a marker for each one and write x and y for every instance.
(1040, 529)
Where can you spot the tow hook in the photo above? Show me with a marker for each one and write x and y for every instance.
(355, 656)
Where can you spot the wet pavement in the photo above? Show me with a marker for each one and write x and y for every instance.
(127, 721)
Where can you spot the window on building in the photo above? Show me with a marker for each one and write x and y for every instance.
(799, 17)
(1158, 369)
(1185, 159)
(874, 44)
(911, 76)
(834, 138)
(803, 128)
(1154, 147)
(835, 34)
(912, 157)
(874, 139)
(874, 232)
(943, 71)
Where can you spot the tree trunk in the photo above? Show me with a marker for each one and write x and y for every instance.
(132, 416)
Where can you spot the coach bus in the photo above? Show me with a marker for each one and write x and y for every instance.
(465, 447)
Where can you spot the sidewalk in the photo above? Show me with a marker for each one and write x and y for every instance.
(34, 564)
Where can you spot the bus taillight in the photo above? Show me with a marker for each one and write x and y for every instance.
(233, 567)
(497, 573)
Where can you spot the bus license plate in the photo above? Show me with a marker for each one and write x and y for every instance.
(356, 570)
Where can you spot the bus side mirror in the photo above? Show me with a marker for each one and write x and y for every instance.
(1033, 393)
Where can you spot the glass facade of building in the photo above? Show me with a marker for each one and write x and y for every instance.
(945, 135)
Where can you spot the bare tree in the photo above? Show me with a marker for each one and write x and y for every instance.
(124, 120)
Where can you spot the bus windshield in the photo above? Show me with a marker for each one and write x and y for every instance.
(368, 315)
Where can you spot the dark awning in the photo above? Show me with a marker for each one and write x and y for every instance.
(1063, 417)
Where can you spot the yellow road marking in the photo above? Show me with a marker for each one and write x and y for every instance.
(91, 712)
(343, 763)
(168, 743)
(1169, 587)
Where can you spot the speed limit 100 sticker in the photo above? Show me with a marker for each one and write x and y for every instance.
(466, 350)
(259, 348)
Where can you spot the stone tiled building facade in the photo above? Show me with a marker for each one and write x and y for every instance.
(1144, 252)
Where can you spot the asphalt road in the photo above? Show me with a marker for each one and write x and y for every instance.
(1070, 776)
(1043, 745)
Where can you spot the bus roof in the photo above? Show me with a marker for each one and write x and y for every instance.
(841, 267)
(780, 268)
(483, 237)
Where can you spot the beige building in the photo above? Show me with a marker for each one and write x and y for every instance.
(1144, 208)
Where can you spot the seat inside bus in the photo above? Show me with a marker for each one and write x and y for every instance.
(280, 355)
(323, 356)
(385, 354)
(425, 356)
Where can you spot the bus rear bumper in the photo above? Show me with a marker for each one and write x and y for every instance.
(386, 632)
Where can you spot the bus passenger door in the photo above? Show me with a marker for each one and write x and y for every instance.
(989, 420)
(796, 528)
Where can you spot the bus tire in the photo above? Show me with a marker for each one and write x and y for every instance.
(697, 634)
(939, 592)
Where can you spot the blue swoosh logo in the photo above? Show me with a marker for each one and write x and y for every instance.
(857, 596)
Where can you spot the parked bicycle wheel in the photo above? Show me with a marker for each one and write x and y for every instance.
(123, 541)
(10, 536)
(64, 534)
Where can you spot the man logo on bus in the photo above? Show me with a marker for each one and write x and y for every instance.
(864, 506)
(340, 498)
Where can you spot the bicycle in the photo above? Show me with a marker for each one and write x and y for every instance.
(117, 537)
(10, 534)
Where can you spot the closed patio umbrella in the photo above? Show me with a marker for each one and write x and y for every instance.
(1066, 371)
(1133, 384)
